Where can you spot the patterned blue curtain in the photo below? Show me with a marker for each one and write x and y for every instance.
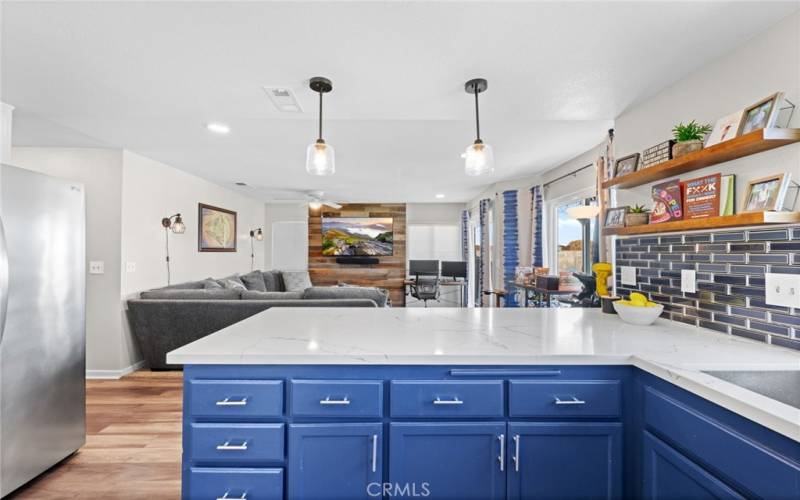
(465, 235)
(537, 254)
(510, 243)
(483, 266)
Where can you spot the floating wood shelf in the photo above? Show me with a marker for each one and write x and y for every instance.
(746, 145)
(738, 220)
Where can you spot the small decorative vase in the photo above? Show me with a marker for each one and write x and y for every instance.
(637, 219)
(683, 148)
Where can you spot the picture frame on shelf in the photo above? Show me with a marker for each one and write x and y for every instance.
(761, 114)
(626, 165)
(615, 217)
(726, 128)
(766, 193)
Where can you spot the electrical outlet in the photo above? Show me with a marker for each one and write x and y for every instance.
(97, 267)
(130, 267)
(688, 281)
(783, 289)
(628, 275)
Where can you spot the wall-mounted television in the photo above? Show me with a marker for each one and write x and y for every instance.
(357, 236)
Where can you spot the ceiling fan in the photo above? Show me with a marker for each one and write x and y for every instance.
(318, 198)
(312, 197)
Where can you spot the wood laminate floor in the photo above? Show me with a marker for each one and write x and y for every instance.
(133, 444)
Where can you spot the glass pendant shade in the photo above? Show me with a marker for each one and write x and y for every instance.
(478, 159)
(583, 212)
(259, 235)
(320, 159)
(178, 227)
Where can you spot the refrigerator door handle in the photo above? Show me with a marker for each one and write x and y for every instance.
(3, 279)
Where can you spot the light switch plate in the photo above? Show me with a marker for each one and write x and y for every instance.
(688, 281)
(783, 289)
(628, 275)
(130, 267)
(97, 267)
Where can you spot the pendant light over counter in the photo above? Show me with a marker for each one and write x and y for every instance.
(478, 158)
(320, 157)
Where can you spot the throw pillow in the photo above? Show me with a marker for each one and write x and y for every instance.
(234, 278)
(273, 281)
(254, 280)
(211, 284)
(296, 281)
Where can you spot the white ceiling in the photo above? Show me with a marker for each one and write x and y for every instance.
(147, 76)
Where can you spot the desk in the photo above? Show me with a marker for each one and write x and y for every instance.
(541, 296)
(459, 283)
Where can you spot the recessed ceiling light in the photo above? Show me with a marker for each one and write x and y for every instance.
(218, 128)
(440, 196)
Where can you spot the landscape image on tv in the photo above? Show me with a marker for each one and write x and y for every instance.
(368, 236)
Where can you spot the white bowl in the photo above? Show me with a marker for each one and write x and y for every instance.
(638, 315)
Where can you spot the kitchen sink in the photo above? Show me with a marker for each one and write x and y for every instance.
(780, 385)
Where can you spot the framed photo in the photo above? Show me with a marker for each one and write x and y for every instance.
(766, 193)
(615, 217)
(216, 229)
(626, 165)
(726, 128)
(761, 114)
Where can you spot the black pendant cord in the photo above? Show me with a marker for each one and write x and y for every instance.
(166, 246)
(477, 117)
(320, 118)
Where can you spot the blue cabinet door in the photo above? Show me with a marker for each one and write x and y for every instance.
(669, 475)
(564, 460)
(334, 461)
(447, 460)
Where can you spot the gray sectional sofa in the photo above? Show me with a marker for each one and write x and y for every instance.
(167, 318)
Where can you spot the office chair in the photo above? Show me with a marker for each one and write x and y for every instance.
(426, 280)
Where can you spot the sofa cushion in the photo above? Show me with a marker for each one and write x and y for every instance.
(232, 282)
(184, 294)
(211, 284)
(273, 281)
(189, 285)
(377, 295)
(254, 280)
(296, 281)
(255, 295)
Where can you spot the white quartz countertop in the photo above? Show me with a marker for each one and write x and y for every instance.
(487, 336)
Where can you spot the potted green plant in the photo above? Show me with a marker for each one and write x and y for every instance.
(637, 216)
(689, 137)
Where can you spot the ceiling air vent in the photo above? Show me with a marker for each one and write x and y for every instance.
(241, 183)
(283, 99)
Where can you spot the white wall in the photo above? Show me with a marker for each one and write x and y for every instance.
(6, 116)
(279, 213)
(100, 170)
(434, 213)
(765, 64)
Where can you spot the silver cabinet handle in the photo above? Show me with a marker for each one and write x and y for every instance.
(501, 457)
(228, 402)
(374, 452)
(454, 401)
(226, 497)
(329, 401)
(573, 401)
(227, 446)
(516, 453)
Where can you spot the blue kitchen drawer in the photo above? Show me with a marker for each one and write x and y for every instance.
(565, 398)
(207, 483)
(447, 398)
(235, 443)
(337, 398)
(721, 449)
(235, 398)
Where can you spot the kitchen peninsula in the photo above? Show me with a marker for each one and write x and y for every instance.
(480, 403)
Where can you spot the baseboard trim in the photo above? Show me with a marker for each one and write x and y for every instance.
(114, 374)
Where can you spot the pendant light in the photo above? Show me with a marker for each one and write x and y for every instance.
(320, 158)
(478, 158)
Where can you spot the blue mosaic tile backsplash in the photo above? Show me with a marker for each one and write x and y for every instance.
(730, 268)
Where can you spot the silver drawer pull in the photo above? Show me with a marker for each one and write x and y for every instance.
(454, 401)
(228, 402)
(502, 457)
(516, 453)
(329, 401)
(227, 446)
(374, 452)
(573, 401)
(226, 497)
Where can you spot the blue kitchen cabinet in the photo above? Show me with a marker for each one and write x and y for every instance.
(448, 460)
(669, 475)
(564, 460)
(334, 461)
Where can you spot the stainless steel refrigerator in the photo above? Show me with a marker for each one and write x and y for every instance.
(42, 323)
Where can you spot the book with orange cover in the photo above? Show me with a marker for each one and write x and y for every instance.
(701, 196)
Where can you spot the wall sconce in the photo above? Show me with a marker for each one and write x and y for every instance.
(255, 234)
(176, 225)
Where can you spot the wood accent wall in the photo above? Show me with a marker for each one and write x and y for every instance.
(389, 273)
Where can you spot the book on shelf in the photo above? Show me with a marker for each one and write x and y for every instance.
(709, 196)
(667, 202)
(727, 194)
